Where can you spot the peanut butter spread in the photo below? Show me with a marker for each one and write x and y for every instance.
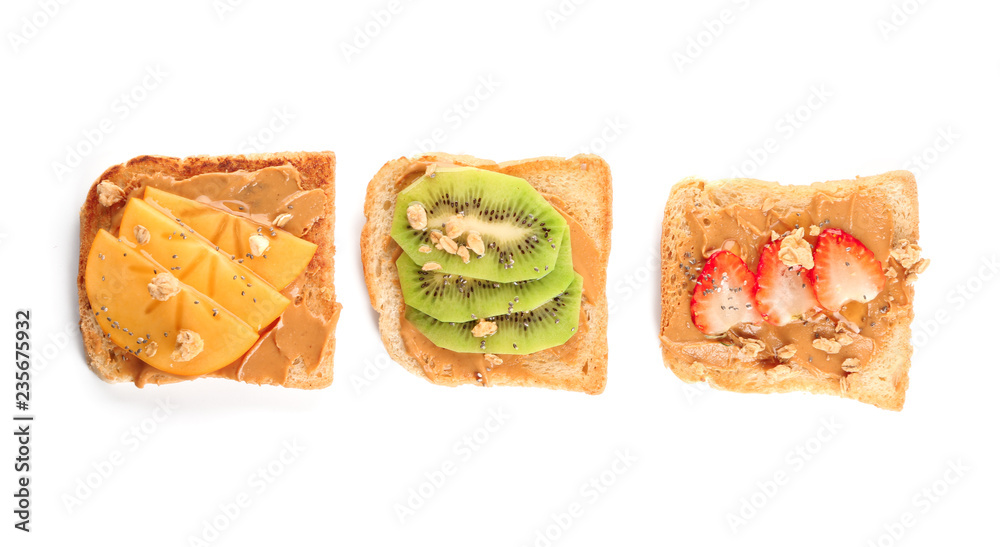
(298, 336)
(261, 195)
(827, 344)
(444, 366)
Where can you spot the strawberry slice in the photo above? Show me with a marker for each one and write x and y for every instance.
(784, 293)
(845, 270)
(723, 294)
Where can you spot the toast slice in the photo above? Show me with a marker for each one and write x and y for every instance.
(583, 185)
(317, 289)
(883, 381)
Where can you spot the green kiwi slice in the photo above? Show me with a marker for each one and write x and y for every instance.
(520, 231)
(519, 333)
(456, 298)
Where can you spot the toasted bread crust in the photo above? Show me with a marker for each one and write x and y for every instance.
(583, 183)
(317, 170)
(884, 382)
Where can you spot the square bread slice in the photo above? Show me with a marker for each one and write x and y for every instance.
(582, 182)
(883, 381)
(317, 171)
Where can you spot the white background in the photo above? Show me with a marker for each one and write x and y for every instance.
(604, 77)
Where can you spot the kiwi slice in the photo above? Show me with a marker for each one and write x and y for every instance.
(519, 333)
(456, 298)
(520, 231)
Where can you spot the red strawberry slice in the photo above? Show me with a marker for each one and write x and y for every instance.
(784, 293)
(845, 270)
(723, 295)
